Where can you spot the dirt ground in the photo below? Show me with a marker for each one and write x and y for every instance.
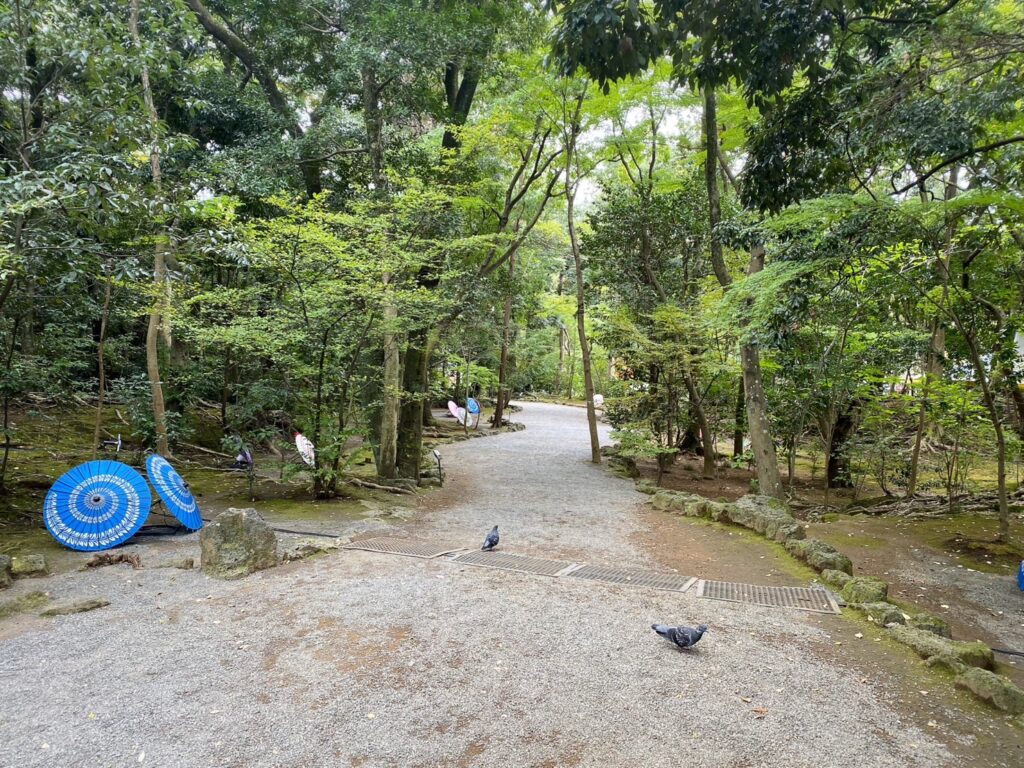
(946, 566)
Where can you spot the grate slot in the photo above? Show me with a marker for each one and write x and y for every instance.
(799, 598)
(409, 547)
(634, 577)
(521, 563)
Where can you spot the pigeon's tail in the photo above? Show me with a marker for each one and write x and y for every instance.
(661, 629)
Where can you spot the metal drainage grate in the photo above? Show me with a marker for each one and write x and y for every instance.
(410, 547)
(514, 562)
(801, 598)
(634, 577)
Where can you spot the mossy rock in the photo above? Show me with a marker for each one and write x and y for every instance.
(625, 467)
(237, 543)
(993, 689)
(835, 579)
(718, 511)
(647, 486)
(882, 613)
(23, 566)
(662, 499)
(865, 589)
(927, 644)
(948, 663)
(820, 556)
(767, 516)
(930, 623)
(830, 561)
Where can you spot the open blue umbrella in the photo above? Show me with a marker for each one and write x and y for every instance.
(174, 491)
(96, 505)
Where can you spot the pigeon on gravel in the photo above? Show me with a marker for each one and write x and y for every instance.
(684, 637)
(491, 541)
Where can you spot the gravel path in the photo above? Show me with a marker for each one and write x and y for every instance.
(540, 487)
(360, 659)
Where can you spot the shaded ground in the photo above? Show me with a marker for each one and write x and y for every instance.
(371, 660)
(946, 566)
(977, 604)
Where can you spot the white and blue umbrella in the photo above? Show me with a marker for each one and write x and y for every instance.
(96, 505)
(173, 491)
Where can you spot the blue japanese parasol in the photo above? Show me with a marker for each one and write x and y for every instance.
(472, 406)
(96, 505)
(173, 491)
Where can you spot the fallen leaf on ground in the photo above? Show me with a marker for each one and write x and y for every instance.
(760, 712)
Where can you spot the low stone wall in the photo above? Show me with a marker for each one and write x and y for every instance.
(928, 635)
(766, 516)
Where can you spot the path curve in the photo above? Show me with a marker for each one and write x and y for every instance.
(363, 659)
(540, 487)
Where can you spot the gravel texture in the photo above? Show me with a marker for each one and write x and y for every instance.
(363, 659)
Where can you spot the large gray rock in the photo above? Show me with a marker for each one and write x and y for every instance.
(882, 613)
(5, 571)
(930, 623)
(647, 486)
(928, 645)
(767, 516)
(992, 688)
(237, 543)
(28, 565)
(865, 589)
(819, 555)
(835, 579)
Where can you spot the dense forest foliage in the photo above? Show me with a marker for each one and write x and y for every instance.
(764, 232)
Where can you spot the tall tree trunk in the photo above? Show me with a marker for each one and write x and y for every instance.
(392, 388)
(737, 434)
(159, 256)
(707, 440)
(374, 126)
(225, 392)
(937, 343)
(459, 98)
(765, 460)
(8, 362)
(573, 130)
(837, 470)
(711, 181)
(410, 427)
(997, 426)
(319, 491)
(930, 375)
(506, 321)
(101, 342)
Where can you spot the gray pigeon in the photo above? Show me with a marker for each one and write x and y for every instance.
(684, 637)
(491, 541)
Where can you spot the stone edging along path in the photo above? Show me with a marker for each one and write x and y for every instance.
(971, 663)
